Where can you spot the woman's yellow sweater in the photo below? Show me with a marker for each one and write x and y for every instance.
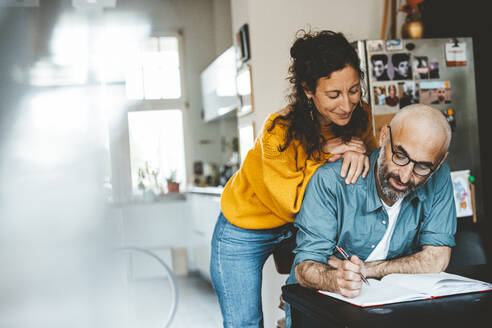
(267, 191)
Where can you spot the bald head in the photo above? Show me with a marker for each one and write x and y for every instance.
(424, 123)
(414, 146)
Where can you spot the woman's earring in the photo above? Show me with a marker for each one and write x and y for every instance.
(310, 104)
(362, 94)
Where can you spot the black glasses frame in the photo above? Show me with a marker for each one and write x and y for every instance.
(400, 154)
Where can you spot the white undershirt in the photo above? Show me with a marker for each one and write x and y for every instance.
(381, 250)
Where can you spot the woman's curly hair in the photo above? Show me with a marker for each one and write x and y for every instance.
(316, 55)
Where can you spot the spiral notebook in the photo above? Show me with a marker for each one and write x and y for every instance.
(395, 288)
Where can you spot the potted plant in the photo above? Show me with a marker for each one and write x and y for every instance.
(147, 182)
(172, 183)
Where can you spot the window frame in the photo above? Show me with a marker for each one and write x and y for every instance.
(168, 103)
(135, 105)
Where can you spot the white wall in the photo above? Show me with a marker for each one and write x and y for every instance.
(222, 25)
(272, 27)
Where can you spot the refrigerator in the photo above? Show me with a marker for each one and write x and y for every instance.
(441, 73)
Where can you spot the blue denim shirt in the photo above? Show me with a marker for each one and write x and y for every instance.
(353, 217)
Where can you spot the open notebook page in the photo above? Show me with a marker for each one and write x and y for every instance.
(437, 284)
(380, 293)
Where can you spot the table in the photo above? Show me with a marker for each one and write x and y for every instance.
(311, 309)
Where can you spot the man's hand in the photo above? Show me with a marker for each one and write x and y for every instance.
(334, 261)
(337, 276)
(348, 278)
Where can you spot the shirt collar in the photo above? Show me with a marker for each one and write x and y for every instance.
(373, 201)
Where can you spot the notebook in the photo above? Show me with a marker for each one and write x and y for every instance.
(396, 288)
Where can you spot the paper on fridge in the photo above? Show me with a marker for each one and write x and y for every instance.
(462, 193)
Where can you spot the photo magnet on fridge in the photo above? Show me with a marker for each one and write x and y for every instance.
(379, 67)
(408, 93)
(420, 67)
(375, 45)
(392, 98)
(400, 68)
(435, 92)
(395, 44)
(380, 95)
(433, 70)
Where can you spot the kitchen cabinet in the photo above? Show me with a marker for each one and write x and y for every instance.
(205, 208)
(218, 86)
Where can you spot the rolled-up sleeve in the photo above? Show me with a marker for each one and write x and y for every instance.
(439, 226)
(317, 219)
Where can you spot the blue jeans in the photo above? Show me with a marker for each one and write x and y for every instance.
(237, 260)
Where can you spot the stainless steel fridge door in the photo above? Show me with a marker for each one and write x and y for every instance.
(461, 98)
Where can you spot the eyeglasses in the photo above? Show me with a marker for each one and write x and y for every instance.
(402, 159)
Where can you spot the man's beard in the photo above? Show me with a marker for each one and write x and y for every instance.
(386, 188)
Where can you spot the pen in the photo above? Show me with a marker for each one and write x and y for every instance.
(345, 256)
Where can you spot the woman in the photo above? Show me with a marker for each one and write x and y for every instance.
(392, 99)
(324, 121)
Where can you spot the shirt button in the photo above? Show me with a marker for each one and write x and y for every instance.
(384, 222)
(372, 246)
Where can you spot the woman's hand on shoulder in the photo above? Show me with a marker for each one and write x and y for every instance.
(355, 159)
(354, 164)
(337, 146)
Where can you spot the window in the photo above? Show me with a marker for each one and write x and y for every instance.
(155, 122)
(155, 72)
(156, 149)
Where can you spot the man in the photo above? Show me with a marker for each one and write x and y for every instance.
(401, 66)
(379, 67)
(400, 219)
(441, 97)
(407, 97)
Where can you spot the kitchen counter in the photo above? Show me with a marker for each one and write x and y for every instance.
(213, 191)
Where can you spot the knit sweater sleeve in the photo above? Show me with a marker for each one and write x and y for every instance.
(283, 175)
